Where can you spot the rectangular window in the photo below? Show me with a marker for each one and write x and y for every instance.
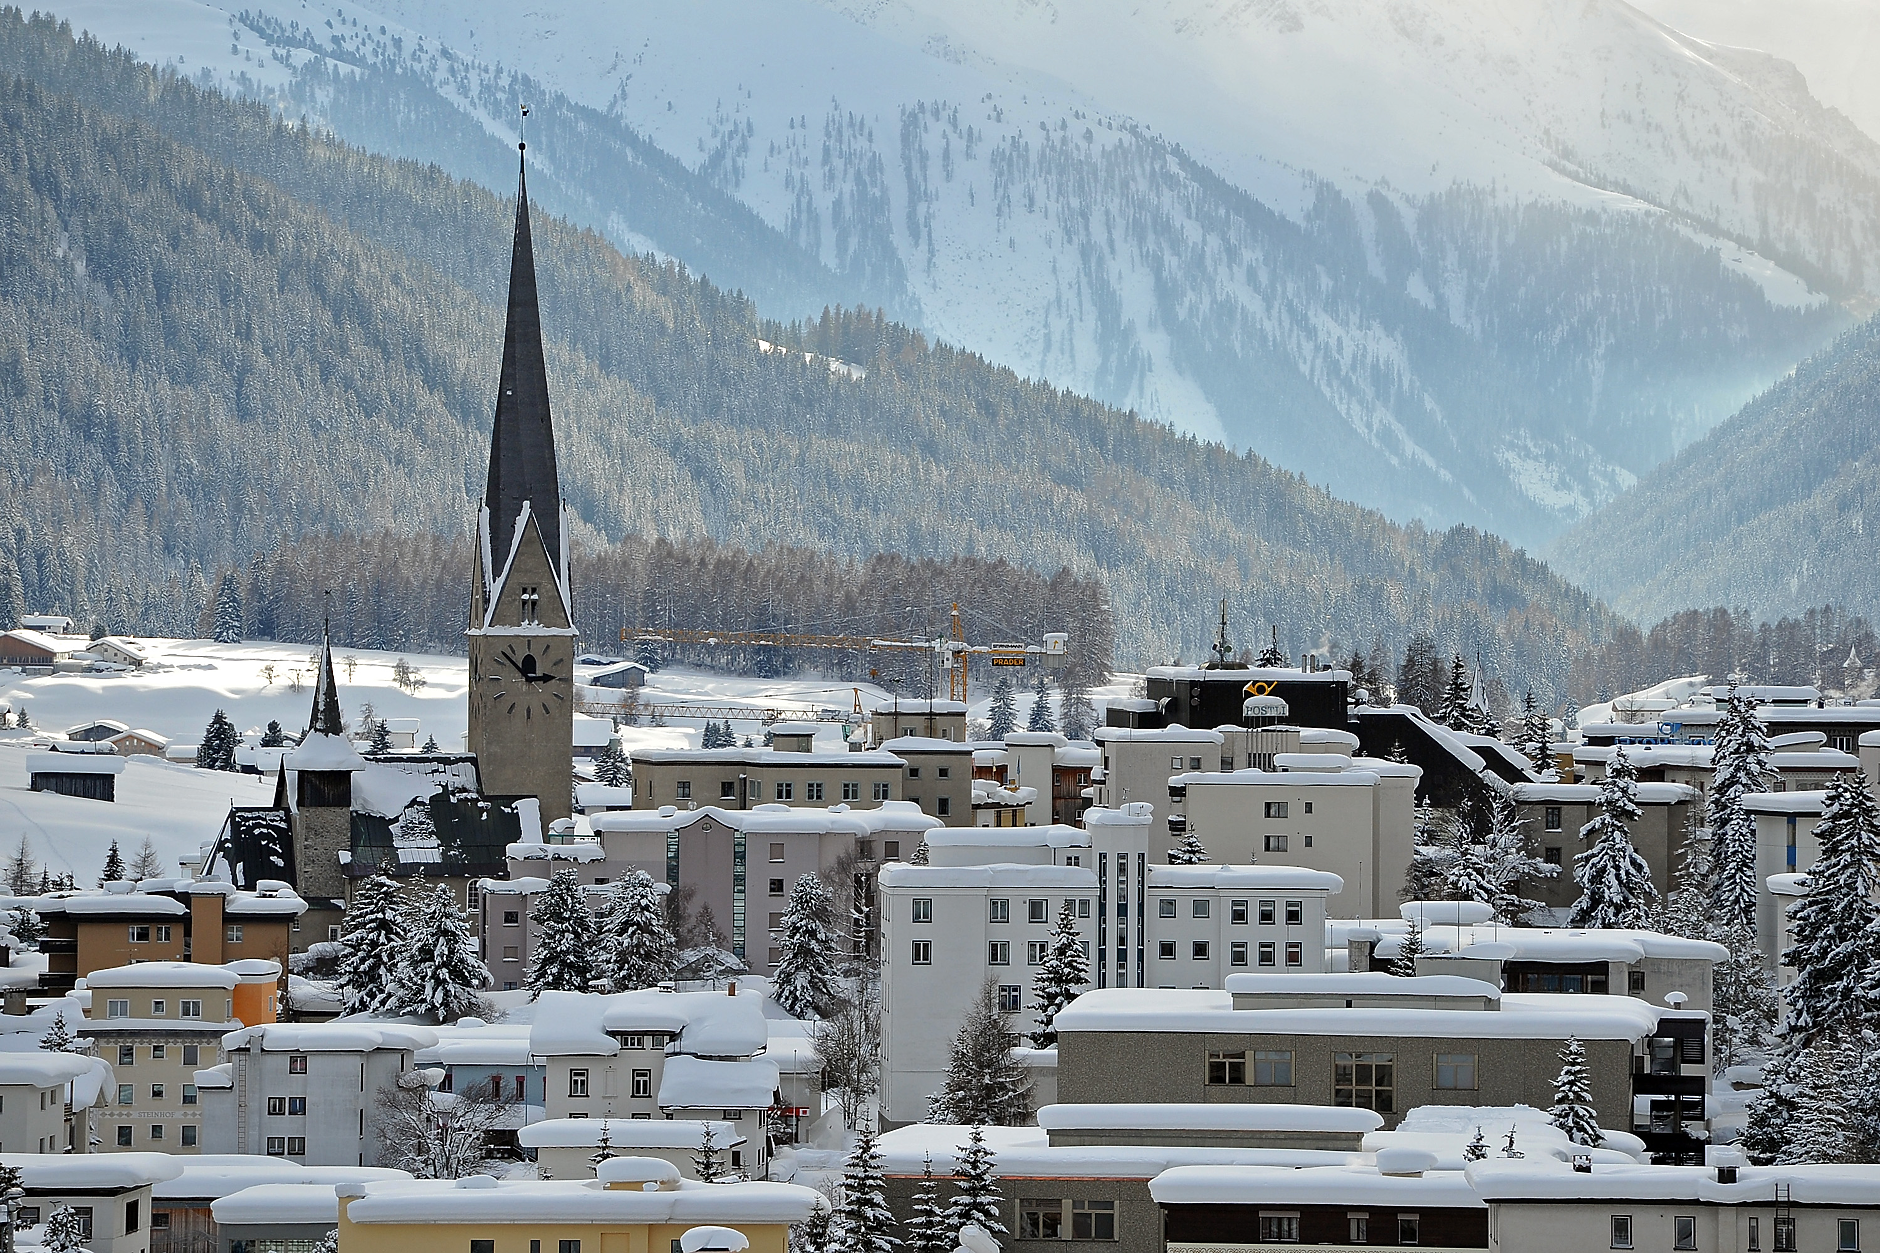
(913, 772)
(277, 1106)
(1409, 1229)
(156, 1092)
(851, 791)
(786, 790)
(1295, 913)
(1237, 953)
(1365, 1081)
(1849, 1241)
(1552, 823)
(189, 1009)
(1093, 1220)
(127, 1053)
(1295, 954)
(277, 1146)
(1269, 953)
(1011, 998)
(117, 1009)
(1551, 855)
(512, 952)
(727, 789)
(1165, 909)
(1199, 951)
(1280, 1228)
(1037, 911)
(1227, 1068)
(1237, 913)
(1358, 1227)
(27, 1215)
(1277, 809)
(1040, 1219)
(234, 933)
(577, 1083)
(776, 852)
(83, 1212)
(643, 1083)
(1035, 951)
(1165, 950)
(297, 1064)
(133, 1217)
(776, 887)
(159, 1009)
(998, 953)
(1755, 1235)
(192, 1055)
(1622, 1223)
(569, 1246)
(891, 849)
(922, 909)
(127, 1094)
(156, 1131)
(812, 791)
(1174, 763)
(159, 1052)
(1201, 908)
(140, 935)
(1684, 1231)
(1455, 1072)
(998, 910)
(923, 953)
(124, 1137)
(483, 1246)
(297, 1106)
(1194, 763)
(1269, 913)
(881, 791)
(865, 849)
(1273, 1068)
(1785, 1234)
(189, 1094)
(1274, 843)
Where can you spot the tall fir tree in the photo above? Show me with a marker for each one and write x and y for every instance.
(1453, 711)
(566, 939)
(1423, 877)
(1835, 927)
(1404, 964)
(1189, 850)
(1573, 1111)
(274, 736)
(1002, 717)
(863, 1222)
(984, 1082)
(228, 611)
(63, 1232)
(439, 974)
(1040, 719)
(1771, 1109)
(804, 982)
(369, 947)
(217, 750)
(1536, 738)
(1077, 717)
(22, 871)
(380, 737)
(1510, 862)
(147, 863)
(708, 1163)
(927, 1218)
(639, 948)
(812, 1234)
(1741, 760)
(611, 766)
(976, 1197)
(1064, 972)
(1465, 868)
(59, 1037)
(1615, 882)
(1818, 1132)
(113, 866)
(1686, 910)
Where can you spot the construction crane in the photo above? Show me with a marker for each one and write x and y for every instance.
(951, 650)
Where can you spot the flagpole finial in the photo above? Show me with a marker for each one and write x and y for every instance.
(521, 127)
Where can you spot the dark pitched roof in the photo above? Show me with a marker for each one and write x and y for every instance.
(522, 443)
(325, 716)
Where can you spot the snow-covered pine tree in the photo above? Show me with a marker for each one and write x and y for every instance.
(1453, 709)
(1188, 851)
(1423, 877)
(984, 1082)
(812, 1234)
(23, 719)
(381, 739)
(927, 1218)
(1063, 974)
(1741, 758)
(1272, 657)
(370, 946)
(274, 736)
(804, 982)
(1686, 910)
(217, 750)
(1510, 862)
(1508, 1149)
(1573, 1110)
(1476, 1150)
(21, 868)
(1834, 928)
(1743, 1001)
(921, 856)
(1404, 964)
(1040, 718)
(1002, 717)
(566, 939)
(59, 1037)
(863, 1221)
(638, 947)
(1615, 882)
(708, 738)
(113, 866)
(1536, 736)
(148, 863)
(976, 1197)
(611, 766)
(1465, 870)
(1771, 1111)
(430, 744)
(709, 1162)
(62, 1232)
(1818, 1130)
(228, 611)
(1077, 717)
(439, 974)
(26, 924)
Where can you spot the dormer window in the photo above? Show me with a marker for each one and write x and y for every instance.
(531, 603)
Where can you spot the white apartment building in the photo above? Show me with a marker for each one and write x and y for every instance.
(34, 1089)
(1207, 922)
(944, 931)
(158, 1023)
(1786, 848)
(1135, 765)
(1049, 845)
(1120, 842)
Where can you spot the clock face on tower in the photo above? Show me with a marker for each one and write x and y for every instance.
(526, 677)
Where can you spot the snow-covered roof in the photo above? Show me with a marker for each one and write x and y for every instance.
(579, 851)
(1870, 739)
(1359, 983)
(1130, 814)
(889, 816)
(104, 903)
(1588, 793)
(1566, 944)
(761, 757)
(695, 1083)
(268, 1204)
(224, 1174)
(1252, 878)
(163, 975)
(988, 792)
(1205, 1010)
(925, 744)
(905, 706)
(1077, 756)
(1311, 761)
(626, 1133)
(281, 902)
(1327, 735)
(1277, 778)
(74, 763)
(482, 1200)
(1173, 733)
(1355, 1184)
(1027, 1152)
(42, 1069)
(602, 796)
(1548, 1179)
(1270, 1116)
(1236, 674)
(998, 875)
(1699, 756)
(1796, 803)
(321, 751)
(1446, 1130)
(711, 1024)
(1052, 835)
(329, 1037)
(1788, 884)
(73, 1172)
(493, 1044)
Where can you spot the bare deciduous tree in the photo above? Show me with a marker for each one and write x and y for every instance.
(439, 1135)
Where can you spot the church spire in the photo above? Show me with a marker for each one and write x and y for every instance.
(325, 717)
(522, 445)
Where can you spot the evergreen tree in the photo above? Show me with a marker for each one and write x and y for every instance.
(59, 1037)
(430, 744)
(927, 1219)
(863, 1220)
(1423, 878)
(228, 611)
(1040, 718)
(113, 866)
(1743, 1000)
(1771, 1111)
(1741, 760)
(1453, 709)
(566, 939)
(1272, 657)
(1078, 716)
(381, 736)
(1573, 1110)
(984, 1082)
(1476, 1150)
(22, 870)
(976, 1199)
(921, 856)
(812, 1234)
(1536, 742)
(1465, 869)
(1819, 1129)
(1835, 928)
(1064, 971)
(1508, 1149)
(369, 947)
(23, 719)
(439, 973)
(148, 863)
(1404, 964)
(611, 766)
(708, 1163)
(1615, 882)
(274, 736)
(1188, 851)
(1509, 861)
(1686, 909)
(217, 750)
(804, 982)
(639, 950)
(62, 1232)
(26, 925)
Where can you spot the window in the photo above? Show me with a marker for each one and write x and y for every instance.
(776, 887)
(1849, 1241)
(1273, 1068)
(1785, 1234)
(643, 1083)
(1174, 763)
(1364, 1081)
(1199, 951)
(1227, 1068)
(727, 790)
(1093, 1220)
(26, 1215)
(1455, 1072)
(297, 1064)
(1083, 902)
(1635, 981)
(189, 1009)
(1269, 912)
(296, 1146)
(192, 1055)
(1165, 909)
(1201, 909)
(1551, 822)
(156, 1092)
(159, 1052)
(127, 1053)
(1237, 953)
(189, 1094)
(127, 1094)
(812, 791)
(1280, 1228)
(483, 1246)
(1551, 854)
(1277, 809)
(851, 791)
(159, 1009)
(1037, 911)
(865, 849)
(1269, 953)
(1011, 998)
(913, 772)
(124, 1137)
(1295, 913)
(297, 1106)
(1622, 1223)
(1040, 1220)
(133, 1217)
(922, 909)
(1237, 913)
(577, 1083)
(998, 910)
(512, 952)
(83, 1212)
(234, 933)
(1295, 954)
(998, 953)
(786, 790)
(140, 935)
(1684, 1231)
(682, 789)
(332, 933)
(1275, 843)
(1755, 1235)
(277, 1106)
(1165, 950)
(1035, 951)
(881, 791)
(156, 1131)
(923, 953)
(1358, 1227)
(1194, 763)
(117, 1009)
(1408, 1229)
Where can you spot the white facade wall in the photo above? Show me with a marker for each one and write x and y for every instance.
(322, 1102)
(1207, 922)
(944, 931)
(1136, 765)
(1120, 842)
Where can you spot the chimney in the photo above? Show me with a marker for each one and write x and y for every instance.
(1583, 1163)
(731, 989)
(1726, 1174)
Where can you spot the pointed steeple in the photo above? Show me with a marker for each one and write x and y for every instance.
(522, 445)
(325, 719)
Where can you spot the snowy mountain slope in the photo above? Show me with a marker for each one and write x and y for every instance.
(1464, 323)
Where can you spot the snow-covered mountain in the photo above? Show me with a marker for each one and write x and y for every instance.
(1476, 260)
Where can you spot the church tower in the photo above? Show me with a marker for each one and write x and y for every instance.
(521, 633)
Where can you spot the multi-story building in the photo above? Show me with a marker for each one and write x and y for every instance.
(1052, 845)
(569, 1148)
(36, 1114)
(743, 778)
(204, 922)
(930, 719)
(939, 776)
(1786, 848)
(945, 931)
(158, 1023)
(1800, 762)
(109, 1196)
(1134, 766)
(1555, 813)
(1398, 1198)
(1207, 922)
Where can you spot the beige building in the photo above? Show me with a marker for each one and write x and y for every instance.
(1555, 813)
(158, 1023)
(928, 719)
(743, 778)
(567, 1148)
(939, 776)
